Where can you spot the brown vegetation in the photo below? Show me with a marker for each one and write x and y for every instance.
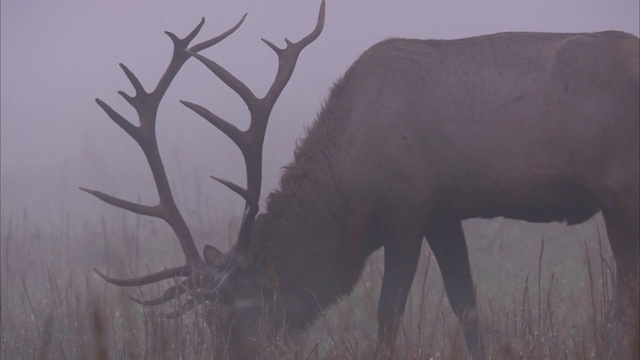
(544, 293)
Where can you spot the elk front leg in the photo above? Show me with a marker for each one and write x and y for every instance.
(446, 239)
(401, 257)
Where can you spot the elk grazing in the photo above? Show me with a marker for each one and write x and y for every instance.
(417, 136)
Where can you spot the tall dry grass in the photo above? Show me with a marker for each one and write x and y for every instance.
(544, 293)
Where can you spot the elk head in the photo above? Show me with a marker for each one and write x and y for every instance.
(214, 277)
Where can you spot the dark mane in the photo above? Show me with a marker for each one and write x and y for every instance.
(313, 153)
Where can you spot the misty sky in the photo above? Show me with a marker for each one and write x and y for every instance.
(58, 56)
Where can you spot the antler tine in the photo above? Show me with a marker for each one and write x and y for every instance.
(235, 188)
(260, 114)
(250, 141)
(208, 43)
(180, 271)
(146, 105)
(289, 55)
(181, 54)
(123, 204)
(168, 295)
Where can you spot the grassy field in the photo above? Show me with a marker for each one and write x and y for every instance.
(544, 293)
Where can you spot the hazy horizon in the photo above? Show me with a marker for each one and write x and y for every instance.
(57, 57)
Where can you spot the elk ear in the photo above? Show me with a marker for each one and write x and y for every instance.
(213, 257)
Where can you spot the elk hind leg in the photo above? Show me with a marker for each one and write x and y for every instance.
(447, 242)
(623, 323)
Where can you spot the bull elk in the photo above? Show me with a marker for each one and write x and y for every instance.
(417, 136)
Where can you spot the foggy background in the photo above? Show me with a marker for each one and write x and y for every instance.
(58, 56)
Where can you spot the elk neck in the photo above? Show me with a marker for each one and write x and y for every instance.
(315, 235)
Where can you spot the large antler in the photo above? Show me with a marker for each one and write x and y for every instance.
(146, 105)
(251, 140)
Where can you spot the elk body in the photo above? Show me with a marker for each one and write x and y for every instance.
(417, 136)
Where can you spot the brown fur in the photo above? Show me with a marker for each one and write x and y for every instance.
(419, 135)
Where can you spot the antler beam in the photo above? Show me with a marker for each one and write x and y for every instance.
(250, 141)
(202, 279)
(146, 105)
